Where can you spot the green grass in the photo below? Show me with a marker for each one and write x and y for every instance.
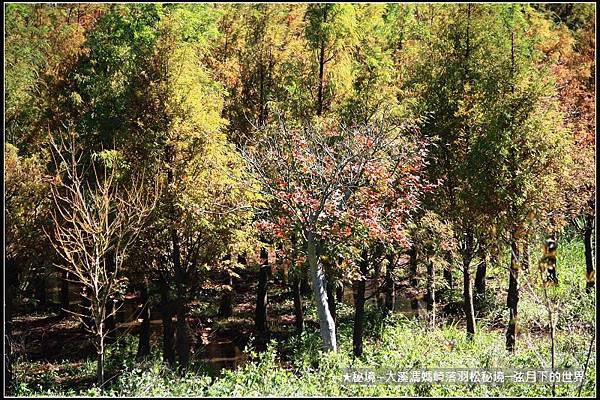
(396, 343)
(404, 345)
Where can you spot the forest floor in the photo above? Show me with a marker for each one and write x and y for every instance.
(53, 355)
(49, 336)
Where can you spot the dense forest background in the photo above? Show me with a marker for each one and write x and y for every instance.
(295, 189)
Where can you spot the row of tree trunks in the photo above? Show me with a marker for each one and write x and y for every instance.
(360, 302)
(332, 294)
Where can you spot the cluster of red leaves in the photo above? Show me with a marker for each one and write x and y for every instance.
(345, 186)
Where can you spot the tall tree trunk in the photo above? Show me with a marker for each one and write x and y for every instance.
(449, 278)
(100, 361)
(183, 340)
(390, 287)
(550, 259)
(412, 265)
(552, 333)
(467, 291)
(261, 297)
(182, 332)
(321, 78)
(512, 299)
(359, 307)
(525, 263)
(590, 271)
(298, 310)
(448, 272)
(331, 302)
(480, 278)
(327, 325)
(468, 301)
(431, 292)
(339, 292)
(412, 253)
(468, 248)
(64, 293)
(166, 311)
(261, 100)
(280, 266)
(110, 323)
(304, 285)
(322, 61)
(100, 335)
(144, 334)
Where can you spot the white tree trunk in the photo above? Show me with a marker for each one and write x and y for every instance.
(319, 289)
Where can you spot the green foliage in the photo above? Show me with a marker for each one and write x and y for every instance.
(574, 15)
(196, 23)
(27, 207)
(434, 240)
(42, 42)
(502, 94)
